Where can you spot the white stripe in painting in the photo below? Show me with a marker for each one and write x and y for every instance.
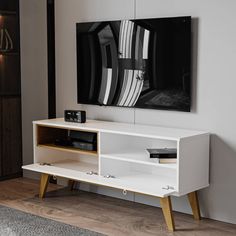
(127, 87)
(123, 87)
(146, 43)
(132, 89)
(124, 39)
(130, 39)
(121, 38)
(136, 89)
(137, 43)
(108, 85)
(103, 86)
(127, 36)
(139, 90)
(104, 73)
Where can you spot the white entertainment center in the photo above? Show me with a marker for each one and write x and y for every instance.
(122, 162)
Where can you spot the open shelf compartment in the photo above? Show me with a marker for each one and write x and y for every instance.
(47, 136)
(49, 156)
(133, 149)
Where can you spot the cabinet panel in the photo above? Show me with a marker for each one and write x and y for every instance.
(0, 138)
(9, 33)
(10, 90)
(194, 163)
(8, 5)
(9, 54)
(10, 75)
(11, 135)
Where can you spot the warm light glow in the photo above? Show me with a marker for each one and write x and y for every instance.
(1, 57)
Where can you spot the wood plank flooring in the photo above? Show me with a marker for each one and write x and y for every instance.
(103, 214)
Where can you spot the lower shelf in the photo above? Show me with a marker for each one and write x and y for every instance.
(67, 149)
(135, 182)
(137, 157)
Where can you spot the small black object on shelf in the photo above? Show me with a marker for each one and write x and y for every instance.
(63, 142)
(162, 152)
(83, 140)
(86, 141)
(163, 155)
(75, 116)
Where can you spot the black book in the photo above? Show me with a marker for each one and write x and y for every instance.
(162, 153)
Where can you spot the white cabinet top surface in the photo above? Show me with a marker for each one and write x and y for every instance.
(123, 128)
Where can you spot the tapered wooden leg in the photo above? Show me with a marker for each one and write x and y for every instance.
(193, 200)
(167, 212)
(43, 185)
(71, 184)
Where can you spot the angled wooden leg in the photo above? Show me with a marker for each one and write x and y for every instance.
(43, 185)
(71, 184)
(167, 212)
(193, 200)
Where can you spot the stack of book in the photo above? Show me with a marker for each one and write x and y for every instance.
(163, 155)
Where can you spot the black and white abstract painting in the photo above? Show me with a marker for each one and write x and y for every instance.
(135, 63)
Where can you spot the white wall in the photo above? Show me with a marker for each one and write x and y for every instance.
(214, 63)
(33, 69)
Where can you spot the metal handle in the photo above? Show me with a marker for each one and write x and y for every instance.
(92, 173)
(109, 176)
(167, 187)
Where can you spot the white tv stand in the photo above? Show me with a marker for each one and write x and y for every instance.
(121, 154)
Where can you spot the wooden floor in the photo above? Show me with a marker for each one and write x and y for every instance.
(103, 214)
